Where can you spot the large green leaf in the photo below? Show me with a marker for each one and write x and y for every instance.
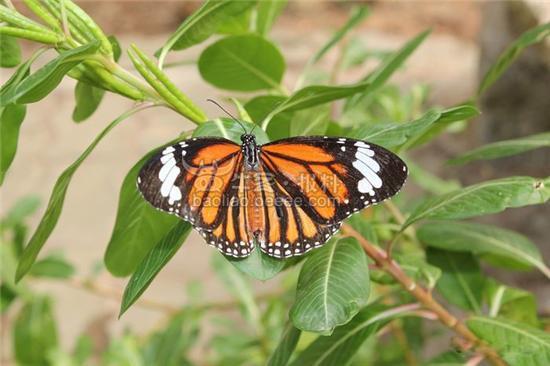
(519, 344)
(461, 281)
(484, 198)
(153, 262)
(10, 52)
(34, 332)
(511, 303)
(528, 38)
(203, 23)
(504, 148)
(332, 287)
(87, 98)
(285, 348)
(11, 118)
(258, 265)
(243, 62)
(341, 346)
(138, 226)
(386, 69)
(268, 11)
(55, 205)
(39, 84)
(229, 129)
(481, 240)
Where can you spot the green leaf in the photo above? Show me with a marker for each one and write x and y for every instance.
(259, 108)
(311, 121)
(244, 63)
(87, 98)
(34, 325)
(504, 148)
(332, 287)
(243, 114)
(55, 205)
(10, 52)
(23, 208)
(239, 24)
(239, 287)
(202, 24)
(519, 344)
(39, 84)
(341, 346)
(461, 281)
(395, 134)
(229, 129)
(268, 11)
(430, 182)
(258, 265)
(386, 69)
(527, 39)
(138, 226)
(481, 240)
(153, 262)
(417, 268)
(358, 14)
(314, 95)
(11, 118)
(285, 348)
(483, 198)
(52, 266)
(511, 303)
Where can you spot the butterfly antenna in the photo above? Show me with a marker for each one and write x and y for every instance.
(229, 114)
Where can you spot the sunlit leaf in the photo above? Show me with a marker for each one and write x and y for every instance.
(268, 11)
(244, 63)
(483, 239)
(10, 52)
(519, 344)
(504, 148)
(153, 262)
(259, 108)
(229, 129)
(484, 198)
(333, 286)
(310, 122)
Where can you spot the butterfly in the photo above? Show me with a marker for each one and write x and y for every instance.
(287, 196)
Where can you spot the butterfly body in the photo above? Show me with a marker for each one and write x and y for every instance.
(288, 196)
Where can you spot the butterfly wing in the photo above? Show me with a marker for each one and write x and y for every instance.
(335, 177)
(198, 180)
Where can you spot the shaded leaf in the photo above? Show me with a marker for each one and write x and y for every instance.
(504, 148)
(10, 52)
(332, 287)
(243, 62)
(40, 83)
(417, 268)
(11, 118)
(138, 226)
(260, 107)
(430, 182)
(504, 61)
(461, 281)
(87, 98)
(258, 265)
(285, 348)
(511, 303)
(310, 122)
(153, 262)
(55, 204)
(358, 14)
(34, 332)
(483, 239)
(52, 266)
(483, 198)
(268, 11)
(229, 129)
(519, 344)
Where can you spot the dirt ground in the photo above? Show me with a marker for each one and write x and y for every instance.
(50, 141)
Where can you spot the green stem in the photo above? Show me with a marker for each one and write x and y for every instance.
(42, 37)
(43, 14)
(13, 17)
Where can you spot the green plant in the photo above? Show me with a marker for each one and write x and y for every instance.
(380, 274)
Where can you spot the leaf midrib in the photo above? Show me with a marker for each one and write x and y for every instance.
(326, 281)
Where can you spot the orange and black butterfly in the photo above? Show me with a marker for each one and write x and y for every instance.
(288, 196)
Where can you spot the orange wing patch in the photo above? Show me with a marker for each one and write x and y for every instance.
(300, 151)
(210, 154)
(335, 186)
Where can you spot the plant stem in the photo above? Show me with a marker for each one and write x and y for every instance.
(382, 259)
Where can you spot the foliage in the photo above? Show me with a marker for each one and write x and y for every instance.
(329, 307)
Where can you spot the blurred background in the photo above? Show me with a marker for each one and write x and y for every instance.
(467, 37)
